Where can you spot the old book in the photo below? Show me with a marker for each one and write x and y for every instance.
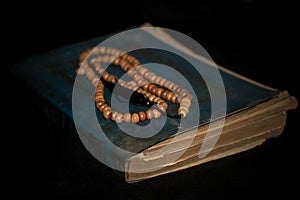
(254, 112)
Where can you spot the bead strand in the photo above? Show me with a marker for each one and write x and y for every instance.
(140, 83)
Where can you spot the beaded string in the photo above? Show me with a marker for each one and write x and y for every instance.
(140, 83)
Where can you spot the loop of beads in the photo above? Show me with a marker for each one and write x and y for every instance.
(143, 81)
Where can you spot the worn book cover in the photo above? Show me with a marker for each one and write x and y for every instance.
(52, 76)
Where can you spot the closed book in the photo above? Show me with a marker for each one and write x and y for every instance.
(249, 112)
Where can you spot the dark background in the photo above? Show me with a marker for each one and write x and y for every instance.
(255, 39)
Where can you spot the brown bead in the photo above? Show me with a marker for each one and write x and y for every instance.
(165, 105)
(161, 107)
(158, 79)
(105, 75)
(125, 55)
(146, 75)
(169, 96)
(148, 114)
(117, 61)
(143, 71)
(99, 91)
(174, 99)
(164, 94)
(100, 103)
(173, 87)
(159, 91)
(152, 78)
(152, 97)
(135, 118)
(122, 62)
(119, 118)
(136, 76)
(162, 81)
(107, 114)
(151, 86)
(99, 97)
(111, 78)
(140, 82)
(102, 107)
(127, 67)
(127, 117)
(156, 113)
(183, 93)
(178, 90)
(142, 116)
(107, 108)
(153, 90)
(146, 86)
(167, 84)
(183, 111)
(156, 99)
(113, 116)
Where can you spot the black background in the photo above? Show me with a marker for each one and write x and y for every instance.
(252, 38)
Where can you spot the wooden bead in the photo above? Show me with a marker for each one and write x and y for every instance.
(151, 86)
(178, 90)
(142, 116)
(183, 111)
(102, 107)
(185, 104)
(117, 61)
(164, 94)
(99, 97)
(174, 88)
(107, 108)
(174, 99)
(107, 114)
(156, 99)
(100, 103)
(152, 78)
(153, 90)
(165, 105)
(167, 84)
(159, 91)
(127, 67)
(135, 118)
(158, 79)
(125, 55)
(152, 97)
(102, 50)
(119, 118)
(140, 82)
(148, 114)
(111, 78)
(161, 107)
(146, 74)
(122, 63)
(113, 116)
(156, 113)
(186, 100)
(162, 82)
(143, 70)
(127, 117)
(183, 93)
(105, 75)
(169, 96)
(146, 86)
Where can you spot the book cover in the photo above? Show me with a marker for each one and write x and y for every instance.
(52, 76)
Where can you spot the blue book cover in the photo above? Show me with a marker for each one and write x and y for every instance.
(52, 75)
